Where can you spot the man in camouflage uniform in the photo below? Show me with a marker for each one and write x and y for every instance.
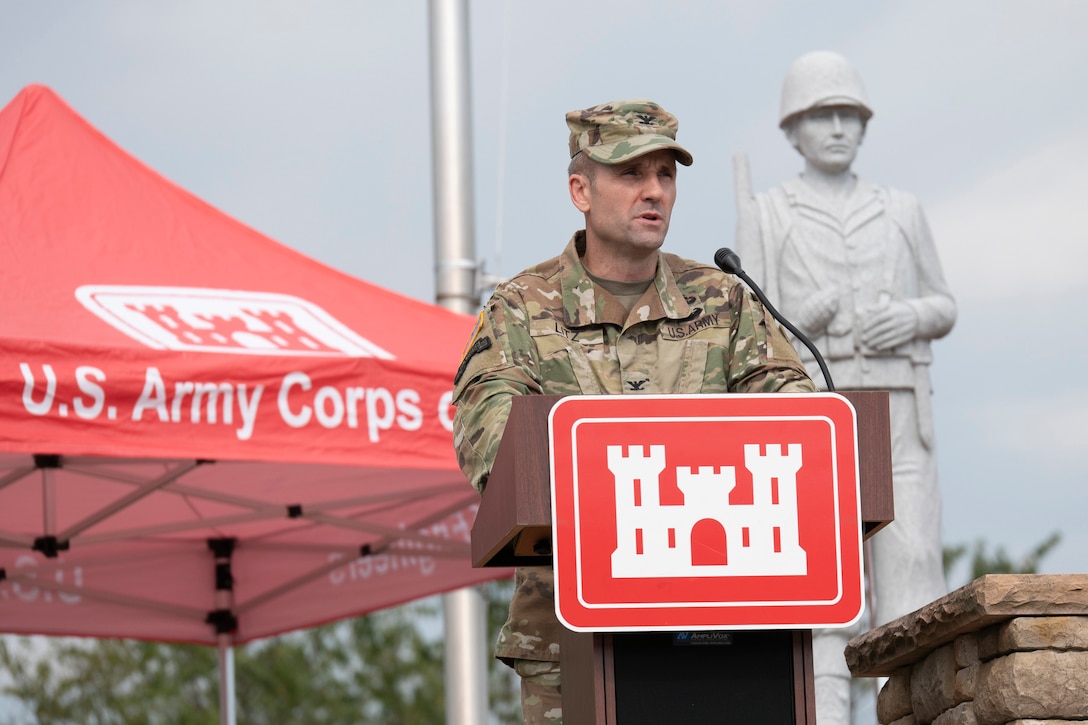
(610, 315)
(854, 266)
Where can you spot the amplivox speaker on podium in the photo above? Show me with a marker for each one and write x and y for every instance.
(696, 540)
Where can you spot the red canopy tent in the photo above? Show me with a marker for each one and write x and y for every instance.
(204, 432)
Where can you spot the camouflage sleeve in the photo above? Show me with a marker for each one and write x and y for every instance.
(499, 362)
(762, 358)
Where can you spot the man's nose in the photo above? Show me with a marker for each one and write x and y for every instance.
(652, 189)
(836, 123)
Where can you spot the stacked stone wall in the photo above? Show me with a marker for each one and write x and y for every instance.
(1005, 650)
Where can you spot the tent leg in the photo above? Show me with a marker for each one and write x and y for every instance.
(226, 680)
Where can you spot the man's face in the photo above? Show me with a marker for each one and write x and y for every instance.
(628, 205)
(828, 137)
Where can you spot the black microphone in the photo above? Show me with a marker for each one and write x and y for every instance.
(728, 261)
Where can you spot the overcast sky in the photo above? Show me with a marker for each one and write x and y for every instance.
(311, 122)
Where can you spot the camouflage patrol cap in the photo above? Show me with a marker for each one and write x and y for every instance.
(612, 133)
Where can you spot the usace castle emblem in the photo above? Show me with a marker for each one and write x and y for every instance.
(679, 512)
(706, 535)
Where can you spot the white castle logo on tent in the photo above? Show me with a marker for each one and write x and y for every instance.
(756, 539)
(231, 321)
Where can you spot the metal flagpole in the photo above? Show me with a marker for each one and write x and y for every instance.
(465, 611)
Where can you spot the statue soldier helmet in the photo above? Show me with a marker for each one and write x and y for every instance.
(822, 78)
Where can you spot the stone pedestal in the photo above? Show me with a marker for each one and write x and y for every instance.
(1007, 649)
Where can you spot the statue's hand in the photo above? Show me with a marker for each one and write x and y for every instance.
(889, 326)
(816, 313)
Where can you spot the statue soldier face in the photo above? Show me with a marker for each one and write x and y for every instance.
(828, 136)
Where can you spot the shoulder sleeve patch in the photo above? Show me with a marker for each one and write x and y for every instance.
(477, 346)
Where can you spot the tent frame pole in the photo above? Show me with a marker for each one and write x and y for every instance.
(226, 680)
(222, 618)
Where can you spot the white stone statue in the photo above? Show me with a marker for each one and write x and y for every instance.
(853, 265)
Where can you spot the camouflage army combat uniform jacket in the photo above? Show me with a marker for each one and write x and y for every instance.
(551, 331)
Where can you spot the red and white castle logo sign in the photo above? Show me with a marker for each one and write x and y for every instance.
(225, 321)
(752, 538)
(705, 512)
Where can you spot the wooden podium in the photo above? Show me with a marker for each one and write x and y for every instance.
(630, 678)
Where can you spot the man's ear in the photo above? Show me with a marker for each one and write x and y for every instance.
(578, 185)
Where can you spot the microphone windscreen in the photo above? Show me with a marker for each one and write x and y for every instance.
(727, 260)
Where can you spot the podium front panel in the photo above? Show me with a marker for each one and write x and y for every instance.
(728, 677)
(749, 679)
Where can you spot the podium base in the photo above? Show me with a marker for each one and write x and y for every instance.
(648, 678)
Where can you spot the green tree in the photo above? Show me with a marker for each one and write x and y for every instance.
(983, 561)
(382, 668)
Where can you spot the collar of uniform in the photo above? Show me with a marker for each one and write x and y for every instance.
(583, 303)
(672, 300)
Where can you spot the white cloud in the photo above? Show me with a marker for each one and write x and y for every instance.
(1027, 221)
(1052, 431)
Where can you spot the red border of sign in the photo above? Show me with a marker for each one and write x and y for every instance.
(587, 601)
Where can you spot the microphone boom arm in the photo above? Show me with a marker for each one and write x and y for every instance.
(728, 261)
